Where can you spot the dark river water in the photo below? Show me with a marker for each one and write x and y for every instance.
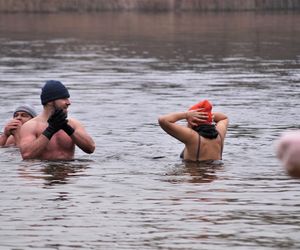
(123, 71)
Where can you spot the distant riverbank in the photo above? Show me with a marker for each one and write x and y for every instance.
(50, 6)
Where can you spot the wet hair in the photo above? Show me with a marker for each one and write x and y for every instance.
(207, 130)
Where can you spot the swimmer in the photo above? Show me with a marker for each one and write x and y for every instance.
(288, 152)
(10, 135)
(204, 134)
(52, 135)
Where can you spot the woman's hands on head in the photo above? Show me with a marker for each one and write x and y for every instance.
(195, 117)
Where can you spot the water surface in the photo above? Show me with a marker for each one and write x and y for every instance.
(123, 71)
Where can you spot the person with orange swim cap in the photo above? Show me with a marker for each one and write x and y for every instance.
(204, 134)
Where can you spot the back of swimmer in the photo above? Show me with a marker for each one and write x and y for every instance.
(203, 136)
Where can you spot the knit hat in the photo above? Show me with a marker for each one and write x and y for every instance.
(207, 107)
(53, 90)
(26, 108)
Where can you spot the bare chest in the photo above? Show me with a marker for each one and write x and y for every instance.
(60, 146)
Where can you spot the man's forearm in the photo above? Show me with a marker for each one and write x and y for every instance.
(3, 139)
(83, 141)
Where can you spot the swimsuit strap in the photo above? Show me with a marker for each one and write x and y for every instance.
(198, 153)
(221, 145)
(199, 142)
(198, 149)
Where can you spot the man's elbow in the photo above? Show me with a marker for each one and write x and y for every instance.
(161, 121)
(26, 152)
(26, 155)
(90, 149)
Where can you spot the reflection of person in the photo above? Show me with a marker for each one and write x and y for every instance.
(203, 140)
(59, 173)
(195, 172)
(203, 172)
(53, 172)
(50, 135)
(22, 114)
(288, 151)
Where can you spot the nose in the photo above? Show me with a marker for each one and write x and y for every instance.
(68, 102)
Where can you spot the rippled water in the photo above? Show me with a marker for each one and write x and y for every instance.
(123, 71)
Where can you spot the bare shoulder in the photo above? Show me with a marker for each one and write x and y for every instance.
(33, 125)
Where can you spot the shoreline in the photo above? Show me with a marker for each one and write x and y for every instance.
(55, 6)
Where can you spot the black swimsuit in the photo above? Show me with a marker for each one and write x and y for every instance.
(198, 150)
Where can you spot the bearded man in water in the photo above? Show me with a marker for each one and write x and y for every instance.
(50, 135)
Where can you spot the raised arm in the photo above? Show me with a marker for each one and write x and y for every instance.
(3, 139)
(31, 146)
(222, 122)
(181, 133)
(79, 136)
(7, 137)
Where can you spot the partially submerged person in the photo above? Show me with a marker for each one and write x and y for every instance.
(50, 135)
(288, 152)
(203, 139)
(10, 135)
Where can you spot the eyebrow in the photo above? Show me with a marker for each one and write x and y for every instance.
(22, 113)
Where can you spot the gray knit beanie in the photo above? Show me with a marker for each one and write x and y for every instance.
(26, 108)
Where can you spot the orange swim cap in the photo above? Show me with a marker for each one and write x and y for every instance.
(207, 107)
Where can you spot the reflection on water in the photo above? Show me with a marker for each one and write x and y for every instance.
(123, 71)
(195, 172)
(52, 172)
